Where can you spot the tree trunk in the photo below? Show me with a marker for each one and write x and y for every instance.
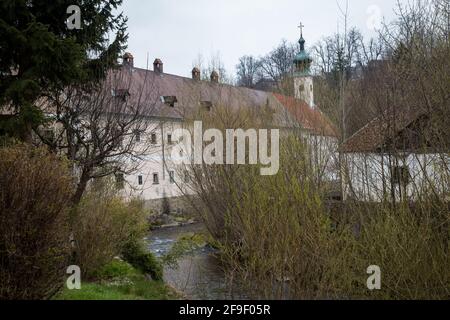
(81, 186)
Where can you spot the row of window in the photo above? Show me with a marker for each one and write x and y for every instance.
(153, 138)
(156, 178)
(120, 180)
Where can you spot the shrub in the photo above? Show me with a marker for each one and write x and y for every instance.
(411, 249)
(279, 240)
(135, 253)
(184, 245)
(102, 224)
(115, 269)
(34, 235)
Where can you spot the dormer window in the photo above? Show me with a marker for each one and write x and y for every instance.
(169, 100)
(207, 105)
(121, 94)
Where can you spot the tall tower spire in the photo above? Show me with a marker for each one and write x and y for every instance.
(303, 81)
(301, 41)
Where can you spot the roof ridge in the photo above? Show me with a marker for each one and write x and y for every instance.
(202, 81)
(361, 129)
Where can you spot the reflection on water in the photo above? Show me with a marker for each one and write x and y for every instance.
(199, 274)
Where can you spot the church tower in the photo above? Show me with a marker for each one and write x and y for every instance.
(303, 81)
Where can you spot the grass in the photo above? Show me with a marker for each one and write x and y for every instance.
(119, 281)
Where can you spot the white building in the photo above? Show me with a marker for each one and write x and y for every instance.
(175, 102)
(395, 157)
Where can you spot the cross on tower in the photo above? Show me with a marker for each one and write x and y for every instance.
(301, 26)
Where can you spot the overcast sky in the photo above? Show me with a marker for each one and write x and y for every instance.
(177, 31)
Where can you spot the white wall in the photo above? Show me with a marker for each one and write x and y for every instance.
(367, 177)
(324, 156)
(156, 161)
(307, 94)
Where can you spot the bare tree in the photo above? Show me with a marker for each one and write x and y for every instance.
(247, 71)
(99, 129)
(278, 63)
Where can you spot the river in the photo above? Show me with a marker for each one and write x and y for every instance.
(199, 274)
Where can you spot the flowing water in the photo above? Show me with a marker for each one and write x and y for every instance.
(199, 274)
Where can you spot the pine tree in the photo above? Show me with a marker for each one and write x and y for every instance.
(40, 54)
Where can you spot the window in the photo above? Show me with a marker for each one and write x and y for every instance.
(155, 178)
(117, 135)
(140, 180)
(137, 135)
(120, 180)
(302, 87)
(153, 138)
(207, 105)
(400, 175)
(172, 176)
(49, 135)
(169, 100)
(186, 177)
(169, 138)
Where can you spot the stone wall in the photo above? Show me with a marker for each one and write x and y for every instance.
(179, 206)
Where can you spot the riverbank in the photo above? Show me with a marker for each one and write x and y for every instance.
(120, 281)
(197, 272)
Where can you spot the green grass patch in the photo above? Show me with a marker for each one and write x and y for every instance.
(119, 281)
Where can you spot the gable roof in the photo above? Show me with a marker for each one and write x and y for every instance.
(374, 135)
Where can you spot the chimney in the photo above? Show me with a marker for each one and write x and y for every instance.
(196, 73)
(214, 76)
(158, 66)
(128, 60)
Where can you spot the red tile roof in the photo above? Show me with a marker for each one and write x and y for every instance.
(311, 119)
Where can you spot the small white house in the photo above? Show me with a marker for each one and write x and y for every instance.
(396, 156)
